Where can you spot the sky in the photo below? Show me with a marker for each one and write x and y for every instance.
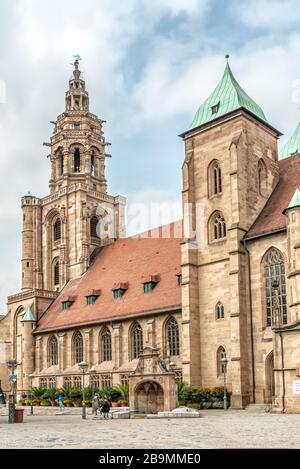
(148, 65)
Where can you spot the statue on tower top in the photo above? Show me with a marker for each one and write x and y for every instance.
(76, 72)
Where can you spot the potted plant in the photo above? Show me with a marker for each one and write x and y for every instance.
(45, 404)
(88, 403)
(27, 402)
(122, 403)
(68, 403)
(51, 395)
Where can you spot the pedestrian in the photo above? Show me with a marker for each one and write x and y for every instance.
(105, 409)
(95, 404)
(60, 400)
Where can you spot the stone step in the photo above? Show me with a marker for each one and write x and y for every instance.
(259, 408)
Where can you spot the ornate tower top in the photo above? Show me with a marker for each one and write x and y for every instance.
(77, 98)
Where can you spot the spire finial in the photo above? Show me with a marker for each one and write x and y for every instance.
(227, 57)
(76, 72)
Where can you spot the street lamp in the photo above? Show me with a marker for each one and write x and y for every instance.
(12, 364)
(224, 363)
(83, 366)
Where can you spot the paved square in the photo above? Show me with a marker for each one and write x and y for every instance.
(216, 429)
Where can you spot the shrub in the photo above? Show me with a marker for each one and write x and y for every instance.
(45, 403)
(123, 389)
(38, 392)
(76, 394)
(27, 402)
(51, 394)
(218, 405)
(111, 393)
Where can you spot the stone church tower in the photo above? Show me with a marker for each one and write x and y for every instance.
(62, 231)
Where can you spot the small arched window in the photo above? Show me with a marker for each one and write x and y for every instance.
(53, 351)
(217, 227)
(77, 160)
(56, 273)
(221, 353)
(172, 330)
(61, 164)
(106, 352)
(274, 270)
(57, 229)
(219, 310)
(136, 341)
(214, 178)
(77, 347)
(93, 227)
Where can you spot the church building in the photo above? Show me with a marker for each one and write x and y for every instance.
(224, 282)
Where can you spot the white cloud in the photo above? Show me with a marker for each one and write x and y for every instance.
(271, 14)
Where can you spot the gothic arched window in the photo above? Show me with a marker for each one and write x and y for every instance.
(77, 347)
(93, 227)
(172, 330)
(106, 353)
(219, 310)
(56, 273)
(53, 351)
(214, 178)
(136, 341)
(274, 270)
(57, 229)
(77, 160)
(217, 227)
(61, 164)
(221, 353)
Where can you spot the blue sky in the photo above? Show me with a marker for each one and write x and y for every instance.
(148, 65)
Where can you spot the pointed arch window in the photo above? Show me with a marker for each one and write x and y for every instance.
(93, 227)
(53, 351)
(106, 350)
(93, 159)
(274, 270)
(215, 178)
(56, 273)
(136, 341)
(61, 164)
(57, 229)
(77, 160)
(219, 310)
(77, 347)
(217, 227)
(173, 337)
(221, 353)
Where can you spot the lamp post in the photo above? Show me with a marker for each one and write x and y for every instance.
(224, 363)
(12, 364)
(83, 366)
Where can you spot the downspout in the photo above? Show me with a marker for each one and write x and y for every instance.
(282, 372)
(251, 322)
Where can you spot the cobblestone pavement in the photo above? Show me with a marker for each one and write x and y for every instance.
(216, 429)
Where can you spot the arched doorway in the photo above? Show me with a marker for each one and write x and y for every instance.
(270, 388)
(149, 398)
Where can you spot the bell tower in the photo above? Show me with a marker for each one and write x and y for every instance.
(62, 230)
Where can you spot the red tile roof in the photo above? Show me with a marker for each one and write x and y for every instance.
(271, 218)
(133, 261)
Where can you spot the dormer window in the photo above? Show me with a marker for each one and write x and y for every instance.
(151, 283)
(118, 293)
(90, 300)
(149, 286)
(66, 304)
(215, 108)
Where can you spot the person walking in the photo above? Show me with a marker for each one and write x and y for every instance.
(95, 404)
(60, 400)
(105, 409)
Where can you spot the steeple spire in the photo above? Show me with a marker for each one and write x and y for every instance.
(227, 97)
(292, 147)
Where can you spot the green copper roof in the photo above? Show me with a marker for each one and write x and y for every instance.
(227, 97)
(295, 200)
(292, 147)
(28, 315)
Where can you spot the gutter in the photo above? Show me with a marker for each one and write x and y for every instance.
(282, 373)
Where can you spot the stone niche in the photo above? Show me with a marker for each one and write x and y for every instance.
(152, 388)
